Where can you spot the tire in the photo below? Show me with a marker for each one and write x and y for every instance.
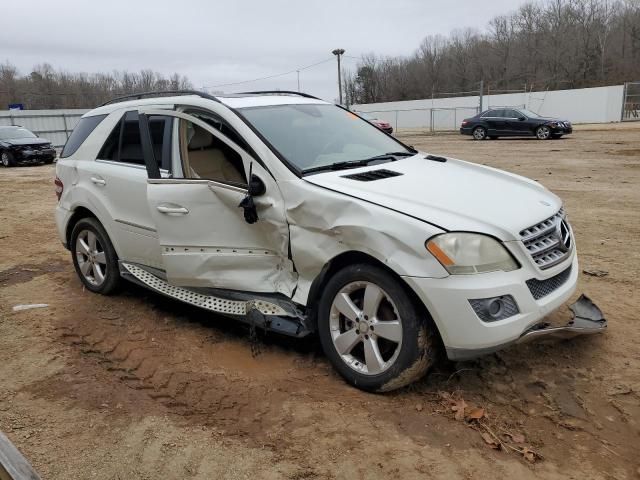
(7, 160)
(97, 262)
(556, 136)
(479, 133)
(543, 132)
(49, 161)
(373, 361)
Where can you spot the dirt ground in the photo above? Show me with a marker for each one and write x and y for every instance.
(135, 386)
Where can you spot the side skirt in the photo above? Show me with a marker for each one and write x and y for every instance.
(262, 311)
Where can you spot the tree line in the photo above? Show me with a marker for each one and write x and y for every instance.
(47, 88)
(552, 44)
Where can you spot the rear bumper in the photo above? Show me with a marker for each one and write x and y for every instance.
(466, 130)
(62, 216)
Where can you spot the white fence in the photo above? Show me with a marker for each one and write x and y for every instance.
(54, 125)
(585, 105)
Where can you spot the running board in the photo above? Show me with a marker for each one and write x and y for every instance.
(256, 311)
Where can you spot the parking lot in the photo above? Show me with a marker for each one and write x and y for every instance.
(138, 386)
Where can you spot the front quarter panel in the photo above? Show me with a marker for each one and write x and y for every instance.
(324, 224)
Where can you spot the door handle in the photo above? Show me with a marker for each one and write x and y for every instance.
(172, 210)
(98, 181)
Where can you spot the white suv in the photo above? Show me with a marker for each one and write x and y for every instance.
(298, 216)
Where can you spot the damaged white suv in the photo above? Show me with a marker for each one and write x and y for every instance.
(298, 216)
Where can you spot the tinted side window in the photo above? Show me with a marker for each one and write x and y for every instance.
(124, 145)
(492, 114)
(512, 114)
(83, 129)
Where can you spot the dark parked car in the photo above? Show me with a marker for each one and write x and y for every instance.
(513, 122)
(19, 145)
(381, 124)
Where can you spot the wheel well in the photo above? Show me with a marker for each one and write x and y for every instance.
(349, 258)
(78, 214)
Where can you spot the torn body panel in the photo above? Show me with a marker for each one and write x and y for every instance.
(325, 224)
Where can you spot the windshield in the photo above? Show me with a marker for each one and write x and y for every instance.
(7, 133)
(528, 113)
(311, 136)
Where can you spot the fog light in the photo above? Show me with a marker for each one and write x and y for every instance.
(495, 308)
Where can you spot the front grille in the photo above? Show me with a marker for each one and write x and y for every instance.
(542, 288)
(372, 175)
(544, 241)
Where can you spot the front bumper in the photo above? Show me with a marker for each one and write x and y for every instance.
(32, 155)
(561, 130)
(465, 335)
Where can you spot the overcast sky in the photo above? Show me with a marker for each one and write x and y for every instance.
(216, 42)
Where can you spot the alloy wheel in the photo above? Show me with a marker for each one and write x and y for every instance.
(5, 159)
(479, 133)
(91, 257)
(366, 328)
(543, 132)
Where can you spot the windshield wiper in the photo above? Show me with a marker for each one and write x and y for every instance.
(391, 156)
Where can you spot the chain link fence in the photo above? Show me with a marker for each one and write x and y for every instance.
(631, 102)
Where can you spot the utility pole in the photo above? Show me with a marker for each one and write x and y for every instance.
(338, 52)
(481, 89)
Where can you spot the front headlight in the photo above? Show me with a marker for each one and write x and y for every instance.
(465, 253)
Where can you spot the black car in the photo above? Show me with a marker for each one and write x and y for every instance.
(19, 145)
(513, 122)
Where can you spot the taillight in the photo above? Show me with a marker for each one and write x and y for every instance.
(464, 122)
(59, 187)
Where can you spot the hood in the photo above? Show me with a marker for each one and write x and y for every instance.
(453, 195)
(25, 141)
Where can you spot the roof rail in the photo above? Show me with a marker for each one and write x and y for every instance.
(160, 93)
(279, 92)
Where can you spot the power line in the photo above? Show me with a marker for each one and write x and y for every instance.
(270, 76)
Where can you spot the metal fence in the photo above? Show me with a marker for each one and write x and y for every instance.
(631, 102)
(432, 119)
(54, 125)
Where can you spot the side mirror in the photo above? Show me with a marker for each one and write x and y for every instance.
(256, 186)
(522, 118)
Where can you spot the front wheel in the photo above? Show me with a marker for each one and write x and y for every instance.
(371, 330)
(543, 132)
(479, 133)
(7, 160)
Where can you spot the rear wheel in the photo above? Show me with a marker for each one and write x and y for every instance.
(543, 132)
(94, 257)
(371, 330)
(7, 160)
(479, 133)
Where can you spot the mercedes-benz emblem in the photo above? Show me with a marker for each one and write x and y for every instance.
(563, 233)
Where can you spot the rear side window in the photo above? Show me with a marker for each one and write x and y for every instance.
(124, 145)
(84, 128)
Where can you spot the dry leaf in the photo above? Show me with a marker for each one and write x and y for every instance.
(529, 455)
(459, 407)
(475, 414)
(516, 437)
(489, 440)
